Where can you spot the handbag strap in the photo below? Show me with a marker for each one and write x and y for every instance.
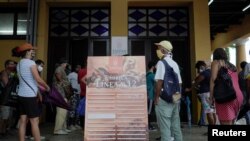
(24, 79)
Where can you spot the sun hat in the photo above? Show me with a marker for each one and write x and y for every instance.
(24, 47)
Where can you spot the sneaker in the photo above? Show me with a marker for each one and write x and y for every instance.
(61, 132)
(72, 128)
(67, 130)
(78, 127)
(41, 137)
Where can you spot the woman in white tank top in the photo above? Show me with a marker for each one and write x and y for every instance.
(29, 80)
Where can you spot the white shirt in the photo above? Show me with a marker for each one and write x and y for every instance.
(73, 79)
(24, 70)
(160, 69)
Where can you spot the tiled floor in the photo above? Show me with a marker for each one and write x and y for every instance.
(194, 133)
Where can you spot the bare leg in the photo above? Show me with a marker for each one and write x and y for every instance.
(215, 118)
(226, 122)
(22, 127)
(210, 118)
(35, 128)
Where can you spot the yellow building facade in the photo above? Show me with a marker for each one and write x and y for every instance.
(199, 31)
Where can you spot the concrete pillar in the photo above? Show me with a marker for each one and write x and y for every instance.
(240, 54)
(200, 43)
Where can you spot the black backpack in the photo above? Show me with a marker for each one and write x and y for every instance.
(170, 83)
(9, 95)
(223, 87)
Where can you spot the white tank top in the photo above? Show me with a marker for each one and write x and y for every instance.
(24, 69)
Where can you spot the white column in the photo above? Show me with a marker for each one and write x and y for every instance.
(240, 54)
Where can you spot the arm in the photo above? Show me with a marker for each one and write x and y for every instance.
(37, 77)
(195, 83)
(214, 72)
(198, 80)
(5, 78)
(159, 76)
(84, 79)
(158, 88)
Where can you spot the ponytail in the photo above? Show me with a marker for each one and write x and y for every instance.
(14, 52)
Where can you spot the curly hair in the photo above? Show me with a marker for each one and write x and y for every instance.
(199, 64)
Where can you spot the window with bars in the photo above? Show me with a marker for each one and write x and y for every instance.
(158, 22)
(80, 22)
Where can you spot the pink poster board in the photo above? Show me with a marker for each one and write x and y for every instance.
(116, 100)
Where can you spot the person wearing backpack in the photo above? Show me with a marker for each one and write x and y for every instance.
(166, 109)
(221, 68)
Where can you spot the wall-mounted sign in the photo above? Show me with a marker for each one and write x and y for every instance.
(116, 99)
(119, 45)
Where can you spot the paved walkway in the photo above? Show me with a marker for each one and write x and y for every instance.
(194, 133)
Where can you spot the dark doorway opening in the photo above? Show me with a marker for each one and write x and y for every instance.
(74, 50)
(78, 51)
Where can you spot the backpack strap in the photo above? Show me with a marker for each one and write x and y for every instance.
(166, 63)
(167, 67)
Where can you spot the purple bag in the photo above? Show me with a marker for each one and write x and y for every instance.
(55, 98)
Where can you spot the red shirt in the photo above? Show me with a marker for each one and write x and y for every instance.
(82, 72)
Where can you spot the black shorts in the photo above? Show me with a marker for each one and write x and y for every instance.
(28, 106)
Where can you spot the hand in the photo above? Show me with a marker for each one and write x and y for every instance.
(39, 97)
(48, 89)
(211, 101)
(156, 100)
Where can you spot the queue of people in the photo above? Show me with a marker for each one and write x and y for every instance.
(24, 112)
(216, 112)
(71, 86)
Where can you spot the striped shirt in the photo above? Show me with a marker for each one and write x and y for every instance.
(24, 70)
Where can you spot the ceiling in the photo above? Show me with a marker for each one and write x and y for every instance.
(224, 13)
